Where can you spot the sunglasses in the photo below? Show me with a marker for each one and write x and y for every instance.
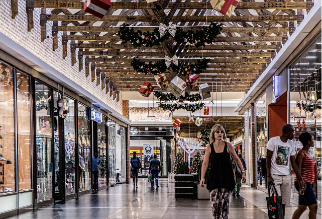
(222, 132)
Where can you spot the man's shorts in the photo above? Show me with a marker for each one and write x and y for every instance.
(135, 172)
(309, 197)
(283, 186)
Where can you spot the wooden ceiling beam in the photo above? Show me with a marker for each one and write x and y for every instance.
(70, 4)
(224, 29)
(249, 18)
(189, 54)
(207, 47)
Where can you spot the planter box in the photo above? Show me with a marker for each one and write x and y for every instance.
(185, 186)
(203, 192)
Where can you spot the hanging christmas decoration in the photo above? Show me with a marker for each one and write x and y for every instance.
(206, 110)
(168, 97)
(169, 61)
(204, 91)
(226, 7)
(188, 107)
(191, 117)
(162, 81)
(97, 8)
(182, 68)
(146, 89)
(198, 121)
(191, 38)
(150, 1)
(163, 28)
(304, 125)
(176, 123)
(177, 86)
(298, 123)
(192, 80)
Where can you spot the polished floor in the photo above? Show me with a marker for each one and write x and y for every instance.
(123, 201)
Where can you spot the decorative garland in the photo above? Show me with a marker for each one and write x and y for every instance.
(160, 67)
(194, 38)
(166, 97)
(188, 107)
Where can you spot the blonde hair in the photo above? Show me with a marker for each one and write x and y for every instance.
(214, 129)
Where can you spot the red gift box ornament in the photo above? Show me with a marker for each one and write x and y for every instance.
(206, 110)
(146, 89)
(161, 80)
(225, 7)
(97, 8)
(176, 123)
(192, 80)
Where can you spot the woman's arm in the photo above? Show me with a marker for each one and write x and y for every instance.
(238, 161)
(298, 167)
(205, 164)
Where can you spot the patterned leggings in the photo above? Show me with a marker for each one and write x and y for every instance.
(220, 203)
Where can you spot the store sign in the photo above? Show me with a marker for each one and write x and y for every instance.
(96, 116)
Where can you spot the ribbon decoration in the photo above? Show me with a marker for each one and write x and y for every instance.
(169, 60)
(172, 28)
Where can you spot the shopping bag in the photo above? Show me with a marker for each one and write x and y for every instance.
(150, 178)
(274, 203)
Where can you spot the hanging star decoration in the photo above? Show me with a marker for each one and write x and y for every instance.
(191, 117)
(189, 38)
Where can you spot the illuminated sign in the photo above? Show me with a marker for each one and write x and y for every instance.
(96, 116)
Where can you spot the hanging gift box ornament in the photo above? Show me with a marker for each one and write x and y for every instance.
(146, 89)
(164, 28)
(206, 110)
(192, 80)
(226, 7)
(176, 123)
(177, 86)
(204, 91)
(97, 8)
(161, 80)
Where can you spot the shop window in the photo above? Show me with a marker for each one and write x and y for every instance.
(43, 142)
(69, 132)
(84, 146)
(7, 150)
(112, 152)
(101, 149)
(56, 142)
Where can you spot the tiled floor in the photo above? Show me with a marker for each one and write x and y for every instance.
(123, 201)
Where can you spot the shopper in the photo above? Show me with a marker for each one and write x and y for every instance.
(280, 154)
(308, 169)
(238, 178)
(95, 162)
(135, 167)
(154, 171)
(221, 179)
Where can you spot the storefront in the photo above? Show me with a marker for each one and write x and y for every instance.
(48, 136)
(148, 141)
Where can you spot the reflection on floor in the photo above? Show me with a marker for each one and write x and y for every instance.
(123, 201)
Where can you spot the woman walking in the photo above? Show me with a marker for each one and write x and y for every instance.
(307, 167)
(221, 179)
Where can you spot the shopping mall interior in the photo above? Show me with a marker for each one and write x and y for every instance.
(151, 78)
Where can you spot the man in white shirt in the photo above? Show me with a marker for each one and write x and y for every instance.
(280, 154)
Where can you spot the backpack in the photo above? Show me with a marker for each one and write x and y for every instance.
(135, 162)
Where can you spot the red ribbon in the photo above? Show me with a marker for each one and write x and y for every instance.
(227, 5)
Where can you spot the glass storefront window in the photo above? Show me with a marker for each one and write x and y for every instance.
(261, 126)
(24, 131)
(84, 146)
(123, 153)
(305, 97)
(112, 152)
(69, 130)
(120, 154)
(43, 142)
(56, 142)
(101, 147)
(7, 150)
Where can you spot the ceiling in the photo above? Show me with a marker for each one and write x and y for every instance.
(249, 39)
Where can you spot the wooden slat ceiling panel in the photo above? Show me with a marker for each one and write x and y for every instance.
(248, 41)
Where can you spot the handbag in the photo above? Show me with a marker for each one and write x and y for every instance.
(274, 203)
(150, 178)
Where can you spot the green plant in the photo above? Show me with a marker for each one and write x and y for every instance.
(180, 166)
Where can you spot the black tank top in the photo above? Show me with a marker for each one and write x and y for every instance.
(221, 172)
